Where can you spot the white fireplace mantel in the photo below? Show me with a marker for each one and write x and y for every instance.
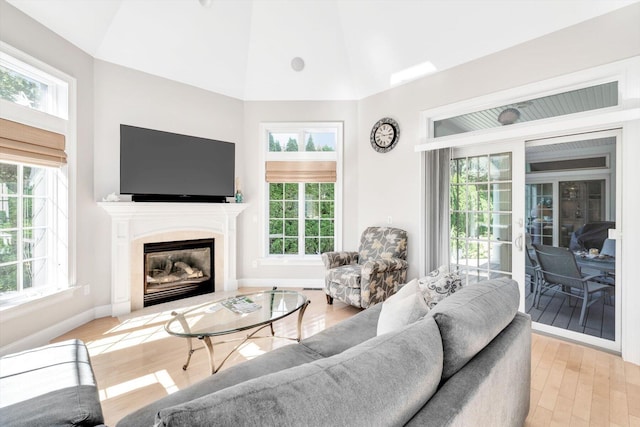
(131, 221)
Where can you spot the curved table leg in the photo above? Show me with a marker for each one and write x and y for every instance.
(300, 314)
(185, 326)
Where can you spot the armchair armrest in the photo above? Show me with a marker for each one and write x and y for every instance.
(380, 279)
(337, 259)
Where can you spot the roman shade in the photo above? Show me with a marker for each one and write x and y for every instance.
(27, 144)
(300, 171)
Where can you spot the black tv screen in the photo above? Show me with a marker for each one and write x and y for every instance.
(164, 166)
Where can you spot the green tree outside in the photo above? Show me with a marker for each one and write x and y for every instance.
(311, 146)
(13, 87)
(292, 145)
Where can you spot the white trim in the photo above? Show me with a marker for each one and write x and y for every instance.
(626, 116)
(628, 107)
(44, 336)
(590, 121)
(578, 337)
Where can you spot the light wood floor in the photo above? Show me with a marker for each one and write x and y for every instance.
(137, 362)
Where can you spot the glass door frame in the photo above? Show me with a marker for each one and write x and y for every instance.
(516, 148)
(616, 198)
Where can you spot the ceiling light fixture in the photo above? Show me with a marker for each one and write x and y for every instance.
(297, 63)
(206, 3)
(412, 73)
(508, 116)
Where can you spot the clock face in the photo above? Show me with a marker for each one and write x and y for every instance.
(385, 135)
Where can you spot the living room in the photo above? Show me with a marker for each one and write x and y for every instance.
(109, 95)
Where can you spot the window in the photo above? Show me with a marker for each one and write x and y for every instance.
(26, 85)
(34, 190)
(302, 180)
(571, 102)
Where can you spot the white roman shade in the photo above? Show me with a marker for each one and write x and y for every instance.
(300, 171)
(27, 144)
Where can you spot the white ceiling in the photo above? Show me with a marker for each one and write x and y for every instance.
(244, 48)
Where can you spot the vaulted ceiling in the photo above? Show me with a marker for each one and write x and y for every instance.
(350, 48)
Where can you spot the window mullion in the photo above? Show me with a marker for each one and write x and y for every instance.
(301, 218)
(20, 229)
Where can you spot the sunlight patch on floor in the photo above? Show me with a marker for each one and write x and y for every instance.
(160, 377)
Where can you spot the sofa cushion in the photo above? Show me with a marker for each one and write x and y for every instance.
(50, 385)
(273, 361)
(402, 308)
(347, 275)
(438, 285)
(345, 334)
(382, 381)
(472, 317)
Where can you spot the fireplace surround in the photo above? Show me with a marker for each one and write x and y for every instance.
(134, 224)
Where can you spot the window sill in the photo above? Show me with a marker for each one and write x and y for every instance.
(19, 305)
(313, 260)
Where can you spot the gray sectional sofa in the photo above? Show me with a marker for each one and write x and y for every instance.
(466, 363)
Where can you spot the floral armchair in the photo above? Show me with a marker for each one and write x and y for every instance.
(372, 274)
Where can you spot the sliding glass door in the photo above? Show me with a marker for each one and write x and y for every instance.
(572, 203)
(486, 210)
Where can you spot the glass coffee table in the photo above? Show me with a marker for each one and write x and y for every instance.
(235, 314)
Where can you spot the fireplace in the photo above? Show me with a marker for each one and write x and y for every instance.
(178, 269)
(134, 224)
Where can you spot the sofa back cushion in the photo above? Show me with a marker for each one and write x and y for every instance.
(472, 317)
(383, 381)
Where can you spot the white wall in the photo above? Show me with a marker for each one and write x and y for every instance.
(25, 34)
(126, 96)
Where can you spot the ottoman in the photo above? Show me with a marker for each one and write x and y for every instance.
(52, 385)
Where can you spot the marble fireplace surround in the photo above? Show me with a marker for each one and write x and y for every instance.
(135, 223)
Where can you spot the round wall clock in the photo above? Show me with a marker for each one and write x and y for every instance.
(384, 135)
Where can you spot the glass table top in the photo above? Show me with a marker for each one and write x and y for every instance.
(234, 314)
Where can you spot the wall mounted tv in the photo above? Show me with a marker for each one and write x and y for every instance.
(158, 166)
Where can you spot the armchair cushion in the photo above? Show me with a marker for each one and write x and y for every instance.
(347, 275)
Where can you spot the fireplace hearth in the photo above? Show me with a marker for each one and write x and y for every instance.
(179, 269)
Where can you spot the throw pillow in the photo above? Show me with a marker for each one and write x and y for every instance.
(438, 285)
(404, 307)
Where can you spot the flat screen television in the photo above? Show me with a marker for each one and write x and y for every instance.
(159, 166)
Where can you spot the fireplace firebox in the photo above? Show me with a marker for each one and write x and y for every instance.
(175, 270)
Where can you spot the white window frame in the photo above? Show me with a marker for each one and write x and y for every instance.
(62, 119)
(265, 155)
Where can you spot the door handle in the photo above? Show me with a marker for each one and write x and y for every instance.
(518, 242)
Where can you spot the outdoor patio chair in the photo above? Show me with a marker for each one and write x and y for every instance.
(559, 272)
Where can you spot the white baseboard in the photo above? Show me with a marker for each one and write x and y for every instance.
(45, 336)
(281, 283)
